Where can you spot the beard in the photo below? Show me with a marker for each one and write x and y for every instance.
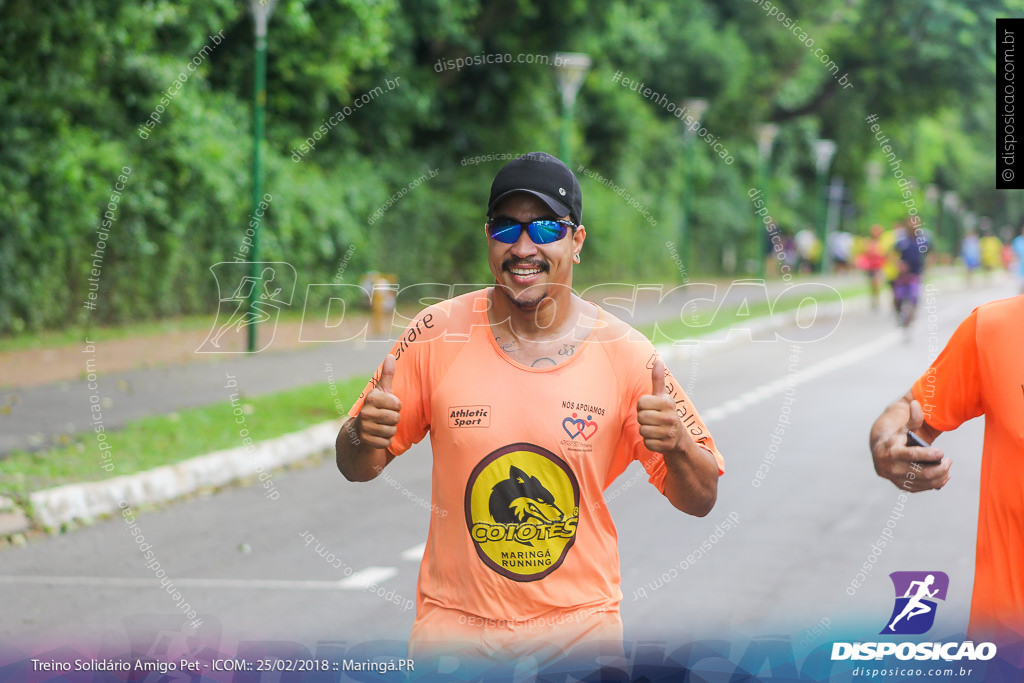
(524, 303)
(531, 297)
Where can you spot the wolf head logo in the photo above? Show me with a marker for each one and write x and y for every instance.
(522, 499)
(522, 494)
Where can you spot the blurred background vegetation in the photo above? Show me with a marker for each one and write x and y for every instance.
(77, 80)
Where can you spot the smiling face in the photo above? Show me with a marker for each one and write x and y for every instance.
(526, 273)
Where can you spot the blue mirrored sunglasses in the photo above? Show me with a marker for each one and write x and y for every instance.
(545, 231)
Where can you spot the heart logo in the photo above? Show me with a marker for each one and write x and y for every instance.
(576, 426)
(573, 427)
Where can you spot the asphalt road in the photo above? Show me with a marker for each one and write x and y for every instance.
(249, 566)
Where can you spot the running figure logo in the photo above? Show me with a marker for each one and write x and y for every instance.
(916, 592)
(273, 288)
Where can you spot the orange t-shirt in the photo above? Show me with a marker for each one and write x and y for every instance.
(522, 456)
(981, 372)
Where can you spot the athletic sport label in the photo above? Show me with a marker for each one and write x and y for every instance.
(522, 508)
(469, 416)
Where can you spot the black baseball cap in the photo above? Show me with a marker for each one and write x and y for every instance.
(543, 176)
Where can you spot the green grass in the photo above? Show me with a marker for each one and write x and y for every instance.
(50, 339)
(166, 439)
(700, 322)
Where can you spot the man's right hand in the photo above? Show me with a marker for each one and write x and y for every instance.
(378, 420)
(910, 468)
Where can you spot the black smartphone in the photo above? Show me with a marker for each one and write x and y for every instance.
(914, 440)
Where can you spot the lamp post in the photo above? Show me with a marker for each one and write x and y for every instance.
(261, 10)
(873, 170)
(696, 108)
(766, 134)
(970, 220)
(824, 150)
(570, 70)
(931, 197)
(835, 200)
(951, 204)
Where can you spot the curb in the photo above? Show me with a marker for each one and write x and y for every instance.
(85, 502)
(12, 518)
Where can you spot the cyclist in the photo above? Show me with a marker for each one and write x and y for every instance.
(911, 249)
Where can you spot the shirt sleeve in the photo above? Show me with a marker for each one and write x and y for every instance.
(410, 385)
(950, 391)
(633, 443)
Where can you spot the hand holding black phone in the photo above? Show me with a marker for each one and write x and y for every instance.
(914, 440)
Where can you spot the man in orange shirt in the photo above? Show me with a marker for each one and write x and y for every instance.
(535, 401)
(980, 372)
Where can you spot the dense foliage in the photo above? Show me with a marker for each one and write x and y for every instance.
(79, 81)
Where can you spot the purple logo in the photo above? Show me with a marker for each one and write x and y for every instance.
(916, 593)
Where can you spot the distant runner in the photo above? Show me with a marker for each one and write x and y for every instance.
(911, 250)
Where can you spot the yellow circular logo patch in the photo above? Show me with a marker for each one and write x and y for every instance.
(522, 507)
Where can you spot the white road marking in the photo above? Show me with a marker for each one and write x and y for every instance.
(364, 578)
(358, 581)
(800, 376)
(415, 552)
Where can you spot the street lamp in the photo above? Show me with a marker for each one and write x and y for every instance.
(261, 10)
(970, 221)
(931, 197)
(873, 170)
(836, 191)
(824, 150)
(985, 226)
(695, 107)
(766, 134)
(951, 204)
(570, 70)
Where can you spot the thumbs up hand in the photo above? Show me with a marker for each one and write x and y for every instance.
(660, 426)
(378, 420)
(387, 374)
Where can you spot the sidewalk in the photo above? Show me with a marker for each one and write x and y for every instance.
(46, 412)
(46, 395)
